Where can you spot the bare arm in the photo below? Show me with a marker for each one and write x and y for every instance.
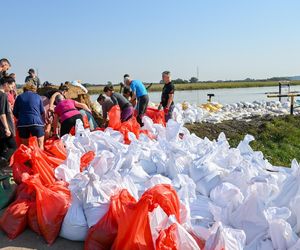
(170, 100)
(133, 99)
(5, 124)
(52, 100)
(82, 106)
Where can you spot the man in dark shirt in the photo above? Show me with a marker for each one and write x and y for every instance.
(32, 77)
(4, 66)
(167, 95)
(7, 130)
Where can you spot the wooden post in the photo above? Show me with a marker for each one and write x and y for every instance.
(292, 105)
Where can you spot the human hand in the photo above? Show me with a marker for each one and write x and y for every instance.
(7, 133)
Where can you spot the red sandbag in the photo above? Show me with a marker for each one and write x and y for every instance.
(86, 159)
(56, 148)
(51, 208)
(134, 232)
(114, 117)
(86, 123)
(21, 155)
(103, 234)
(32, 218)
(157, 116)
(14, 220)
(18, 169)
(24, 192)
(39, 163)
(167, 239)
(130, 126)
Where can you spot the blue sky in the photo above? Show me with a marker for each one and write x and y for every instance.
(99, 41)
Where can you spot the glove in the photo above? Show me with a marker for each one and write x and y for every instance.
(166, 110)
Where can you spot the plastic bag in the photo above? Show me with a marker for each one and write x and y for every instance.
(134, 232)
(32, 218)
(14, 220)
(56, 148)
(74, 226)
(86, 159)
(18, 169)
(103, 234)
(114, 117)
(51, 208)
(157, 116)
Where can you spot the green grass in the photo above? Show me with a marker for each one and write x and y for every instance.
(278, 138)
(203, 85)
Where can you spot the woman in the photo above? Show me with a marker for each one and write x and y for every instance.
(118, 99)
(66, 111)
(29, 111)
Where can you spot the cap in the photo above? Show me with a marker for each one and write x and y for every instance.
(31, 71)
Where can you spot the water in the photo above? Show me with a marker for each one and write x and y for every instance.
(224, 96)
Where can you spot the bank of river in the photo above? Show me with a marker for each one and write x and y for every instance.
(224, 96)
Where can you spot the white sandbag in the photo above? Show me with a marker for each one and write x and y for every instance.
(160, 221)
(185, 187)
(207, 183)
(295, 208)
(74, 226)
(224, 238)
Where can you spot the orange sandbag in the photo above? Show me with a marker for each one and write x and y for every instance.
(18, 169)
(130, 125)
(86, 123)
(14, 220)
(39, 164)
(51, 208)
(167, 239)
(86, 159)
(32, 218)
(56, 148)
(134, 230)
(157, 116)
(21, 155)
(103, 234)
(114, 117)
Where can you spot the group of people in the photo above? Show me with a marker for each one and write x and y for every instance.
(30, 114)
(136, 95)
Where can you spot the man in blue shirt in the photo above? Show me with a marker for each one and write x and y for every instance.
(139, 94)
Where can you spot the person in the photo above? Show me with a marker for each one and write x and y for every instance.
(4, 66)
(32, 77)
(7, 129)
(106, 104)
(118, 99)
(127, 93)
(140, 94)
(67, 113)
(29, 111)
(48, 100)
(12, 94)
(167, 95)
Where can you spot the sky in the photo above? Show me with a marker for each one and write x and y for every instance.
(98, 41)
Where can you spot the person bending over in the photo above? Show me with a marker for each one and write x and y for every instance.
(106, 104)
(118, 99)
(67, 113)
(139, 92)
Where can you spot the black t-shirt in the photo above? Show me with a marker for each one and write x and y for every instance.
(120, 100)
(5, 110)
(167, 90)
(50, 93)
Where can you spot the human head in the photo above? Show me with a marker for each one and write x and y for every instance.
(126, 92)
(58, 99)
(29, 86)
(166, 76)
(4, 64)
(127, 79)
(13, 75)
(63, 89)
(101, 99)
(31, 72)
(108, 90)
(7, 83)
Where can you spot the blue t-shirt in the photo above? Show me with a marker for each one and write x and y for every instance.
(138, 88)
(28, 109)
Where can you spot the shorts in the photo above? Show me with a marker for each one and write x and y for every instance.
(26, 132)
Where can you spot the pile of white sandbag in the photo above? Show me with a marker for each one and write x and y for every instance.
(189, 113)
(232, 198)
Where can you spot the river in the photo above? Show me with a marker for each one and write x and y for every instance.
(224, 96)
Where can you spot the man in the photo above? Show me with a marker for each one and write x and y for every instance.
(4, 66)
(167, 95)
(106, 104)
(32, 77)
(7, 130)
(139, 94)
